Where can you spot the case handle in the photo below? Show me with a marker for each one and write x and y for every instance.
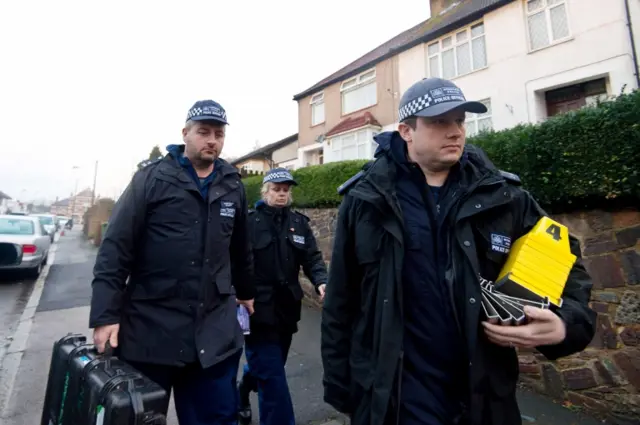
(107, 355)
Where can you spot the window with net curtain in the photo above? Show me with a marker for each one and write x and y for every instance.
(477, 123)
(355, 145)
(317, 108)
(359, 92)
(458, 54)
(547, 22)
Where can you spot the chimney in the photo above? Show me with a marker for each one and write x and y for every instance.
(438, 6)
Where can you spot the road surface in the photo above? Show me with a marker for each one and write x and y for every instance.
(15, 290)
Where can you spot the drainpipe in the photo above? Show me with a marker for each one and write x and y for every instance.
(633, 43)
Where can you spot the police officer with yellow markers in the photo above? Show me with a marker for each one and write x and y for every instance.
(282, 242)
(403, 338)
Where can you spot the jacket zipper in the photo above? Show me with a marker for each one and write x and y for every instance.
(450, 253)
(451, 287)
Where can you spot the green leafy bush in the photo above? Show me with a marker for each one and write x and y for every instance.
(317, 185)
(585, 158)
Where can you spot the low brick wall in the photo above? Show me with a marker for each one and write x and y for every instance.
(94, 217)
(323, 225)
(606, 376)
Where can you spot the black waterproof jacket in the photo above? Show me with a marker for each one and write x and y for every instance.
(282, 242)
(362, 319)
(186, 258)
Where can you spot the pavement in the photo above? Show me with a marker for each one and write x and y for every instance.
(59, 304)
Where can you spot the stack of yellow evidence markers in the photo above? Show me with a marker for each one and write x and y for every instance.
(535, 274)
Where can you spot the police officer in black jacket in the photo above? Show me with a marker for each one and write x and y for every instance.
(403, 338)
(282, 243)
(171, 268)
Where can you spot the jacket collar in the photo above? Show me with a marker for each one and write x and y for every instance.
(175, 158)
(273, 211)
(377, 186)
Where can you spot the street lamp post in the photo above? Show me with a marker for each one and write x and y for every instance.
(75, 193)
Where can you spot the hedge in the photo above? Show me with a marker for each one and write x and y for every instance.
(317, 184)
(584, 158)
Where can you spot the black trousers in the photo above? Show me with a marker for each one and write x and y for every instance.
(202, 396)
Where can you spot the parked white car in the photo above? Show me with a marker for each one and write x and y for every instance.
(49, 223)
(24, 244)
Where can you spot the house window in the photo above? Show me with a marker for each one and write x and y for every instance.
(476, 123)
(350, 146)
(359, 92)
(317, 109)
(458, 54)
(547, 21)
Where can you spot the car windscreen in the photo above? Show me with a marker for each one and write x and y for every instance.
(45, 220)
(16, 226)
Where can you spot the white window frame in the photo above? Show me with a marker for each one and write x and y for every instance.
(365, 78)
(455, 43)
(475, 118)
(546, 9)
(317, 101)
(336, 149)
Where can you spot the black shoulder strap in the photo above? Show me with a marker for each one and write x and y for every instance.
(510, 177)
(344, 187)
(307, 219)
(145, 163)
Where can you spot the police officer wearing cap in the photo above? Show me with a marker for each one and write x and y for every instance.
(174, 263)
(282, 242)
(403, 338)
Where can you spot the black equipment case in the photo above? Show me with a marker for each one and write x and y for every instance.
(87, 388)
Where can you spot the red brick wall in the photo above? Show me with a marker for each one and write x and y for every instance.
(606, 376)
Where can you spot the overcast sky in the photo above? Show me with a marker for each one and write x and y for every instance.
(82, 81)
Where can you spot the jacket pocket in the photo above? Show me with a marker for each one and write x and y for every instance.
(264, 306)
(155, 289)
(494, 243)
(262, 240)
(223, 284)
(367, 247)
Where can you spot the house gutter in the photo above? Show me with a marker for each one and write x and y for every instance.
(633, 43)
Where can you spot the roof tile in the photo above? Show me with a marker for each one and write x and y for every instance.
(353, 122)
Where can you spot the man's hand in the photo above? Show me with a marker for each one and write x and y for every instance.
(321, 290)
(544, 328)
(248, 304)
(102, 334)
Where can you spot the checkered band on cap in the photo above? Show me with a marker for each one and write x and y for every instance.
(278, 175)
(195, 112)
(415, 106)
(212, 111)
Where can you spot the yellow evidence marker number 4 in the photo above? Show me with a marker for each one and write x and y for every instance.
(539, 263)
